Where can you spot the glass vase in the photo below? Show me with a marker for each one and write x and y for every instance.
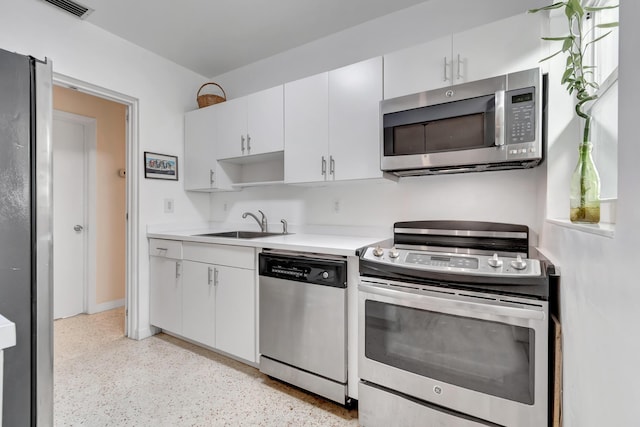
(584, 195)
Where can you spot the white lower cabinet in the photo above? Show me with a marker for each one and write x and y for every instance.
(205, 293)
(235, 312)
(165, 285)
(218, 298)
(198, 303)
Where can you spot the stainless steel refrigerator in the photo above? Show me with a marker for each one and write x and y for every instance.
(25, 237)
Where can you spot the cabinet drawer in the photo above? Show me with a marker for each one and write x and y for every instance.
(165, 248)
(233, 256)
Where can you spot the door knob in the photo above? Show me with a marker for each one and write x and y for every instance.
(78, 228)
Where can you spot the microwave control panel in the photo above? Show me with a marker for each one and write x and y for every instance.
(520, 107)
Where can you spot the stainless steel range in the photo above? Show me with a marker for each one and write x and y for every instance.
(453, 327)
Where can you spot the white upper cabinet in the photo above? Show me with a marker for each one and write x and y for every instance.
(265, 116)
(505, 46)
(355, 93)
(332, 125)
(306, 129)
(232, 131)
(253, 124)
(201, 170)
(508, 45)
(418, 68)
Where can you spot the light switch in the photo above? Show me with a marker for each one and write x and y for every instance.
(168, 205)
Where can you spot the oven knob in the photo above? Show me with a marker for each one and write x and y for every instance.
(519, 263)
(378, 251)
(394, 253)
(325, 275)
(494, 261)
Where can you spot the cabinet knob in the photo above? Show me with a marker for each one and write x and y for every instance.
(212, 175)
(324, 167)
(248, 143)
(242, 143)
(332, 166)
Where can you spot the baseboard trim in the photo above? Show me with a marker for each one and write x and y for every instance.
(109, 305)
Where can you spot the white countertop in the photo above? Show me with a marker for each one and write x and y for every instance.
(7, 333)
(302, 242)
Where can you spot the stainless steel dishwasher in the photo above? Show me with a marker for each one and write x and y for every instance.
(303, 321)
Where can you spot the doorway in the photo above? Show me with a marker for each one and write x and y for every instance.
(96, 297)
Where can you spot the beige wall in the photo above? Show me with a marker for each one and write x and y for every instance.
(111, 196)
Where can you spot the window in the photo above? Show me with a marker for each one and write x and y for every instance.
(605, 109)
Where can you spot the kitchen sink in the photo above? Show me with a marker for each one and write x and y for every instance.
(240, 234)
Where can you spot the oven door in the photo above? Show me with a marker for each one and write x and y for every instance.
(478, 354)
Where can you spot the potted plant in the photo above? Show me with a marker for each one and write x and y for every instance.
(579, 79)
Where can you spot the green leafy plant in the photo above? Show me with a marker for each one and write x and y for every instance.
(578, 77)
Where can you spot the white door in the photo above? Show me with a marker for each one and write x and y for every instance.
(68, 218)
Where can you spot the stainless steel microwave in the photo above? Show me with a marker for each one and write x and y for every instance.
(490, 124)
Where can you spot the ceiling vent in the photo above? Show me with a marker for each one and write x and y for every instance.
(76, 9)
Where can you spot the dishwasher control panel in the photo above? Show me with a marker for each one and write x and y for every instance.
(303, 268)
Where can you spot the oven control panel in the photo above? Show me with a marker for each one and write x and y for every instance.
(441, 260)
(477, 265)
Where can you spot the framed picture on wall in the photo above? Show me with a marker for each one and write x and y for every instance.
(160, 166)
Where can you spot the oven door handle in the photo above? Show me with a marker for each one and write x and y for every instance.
(451, 304)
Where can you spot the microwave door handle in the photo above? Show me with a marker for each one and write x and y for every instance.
(500, 118)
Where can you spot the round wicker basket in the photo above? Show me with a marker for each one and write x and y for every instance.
(208, 99)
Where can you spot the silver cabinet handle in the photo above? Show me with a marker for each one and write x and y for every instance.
(178, 270)
(212, 175)
(324, 166)
(446, 75)
(459, 75)
(242, 143)
(209, 276)
(248, 143)
(332, 166)
(500, 130)
(215, 277)
(78, 227)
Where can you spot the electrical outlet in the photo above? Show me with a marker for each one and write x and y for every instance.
(225, 207)
(336, 205)
(168, 205)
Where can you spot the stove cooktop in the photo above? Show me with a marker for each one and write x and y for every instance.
(473, 265)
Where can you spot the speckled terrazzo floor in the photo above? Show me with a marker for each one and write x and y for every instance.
(102, 378)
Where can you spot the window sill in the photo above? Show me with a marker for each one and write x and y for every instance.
(603, 229)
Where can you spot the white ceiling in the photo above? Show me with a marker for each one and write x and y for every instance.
(212, 37)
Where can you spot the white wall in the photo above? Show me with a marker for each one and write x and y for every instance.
(164, 91)
(414, 25)
(600, 290)
(507, 196)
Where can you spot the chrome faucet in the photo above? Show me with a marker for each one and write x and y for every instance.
(284, 226)
(261, 222)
